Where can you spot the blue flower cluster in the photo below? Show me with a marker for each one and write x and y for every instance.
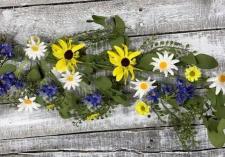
(49, 90)
(7, 81)
(93, 99)
(184, 91)
(153, 95)
(6, 50)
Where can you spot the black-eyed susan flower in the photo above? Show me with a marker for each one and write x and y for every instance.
(218, 82)
(67, 54)
(142, 87)
(142, 108)
(35, 48)
(192, 73)
(165, 63)
(124, 61)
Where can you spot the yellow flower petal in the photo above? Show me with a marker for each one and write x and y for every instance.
(131, 69)
(57, 51)
(78, 47)
(61, 65)
(118, 72)
(192, 73)
(120, 51)
(126, 51)
(63, 44)
(134, 54)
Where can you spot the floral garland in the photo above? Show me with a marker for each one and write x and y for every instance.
(166, 77)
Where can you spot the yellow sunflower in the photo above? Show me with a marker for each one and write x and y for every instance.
(142, 108)
(192, 73)
(67, 54)
(124, 61)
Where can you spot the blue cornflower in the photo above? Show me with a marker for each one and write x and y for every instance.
(19, 84)
(93, 99)
(49, 90)
(153, 95)
(167, 89)
(184, 91)
(6, 50)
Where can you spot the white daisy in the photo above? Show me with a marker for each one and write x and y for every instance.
(142, 87)
(218, 82)
(28, 104)
(165, 63)
(71, 81)
(35, 48)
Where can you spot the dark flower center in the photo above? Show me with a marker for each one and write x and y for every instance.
(68, 54)
(125, 62)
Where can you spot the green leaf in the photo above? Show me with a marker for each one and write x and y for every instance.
(144, 62)
(101, 20)
(212, 124)
(34, 74)
(216, 138)
(220, 111)
(65, 112)
(117, 41)
(103, 83)
(206, 62)
(120, 25)
(6, 68)
(40, 100)
(188, 59)
(211, 96)
(120, 100)
(44, 68)
(221, 125)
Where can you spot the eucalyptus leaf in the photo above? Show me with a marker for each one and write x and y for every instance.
(145, 61)
(188, 59)
(103, 83)
(34, 74)
(216, 138)
(6, 68)
(206, 62)
(221, 126)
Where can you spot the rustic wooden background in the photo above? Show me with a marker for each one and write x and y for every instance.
(124, 134)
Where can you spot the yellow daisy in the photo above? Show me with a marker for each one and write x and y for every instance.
(67, 54)
(124, 61)
(142, 108)
(192, 73)
(92, 117)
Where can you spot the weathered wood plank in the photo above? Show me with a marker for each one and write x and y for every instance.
(201, 153)
(42, 123)
(21, 3)
(142, 17)
(159, 139)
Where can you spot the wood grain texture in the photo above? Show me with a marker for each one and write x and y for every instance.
(42, 123)
(22, 3)
(201, 153)
(142, 17)
(161, 139)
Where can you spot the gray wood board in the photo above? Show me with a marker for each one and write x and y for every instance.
(26, 3)
(159, 139)
(142, 17)
(42, 123)
(201, 153)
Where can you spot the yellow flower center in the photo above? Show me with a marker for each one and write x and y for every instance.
(222, 78)
(192, 73)
(144, 85)
(35, 48)
(27, 102)
(70, 78)
(163, 65)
